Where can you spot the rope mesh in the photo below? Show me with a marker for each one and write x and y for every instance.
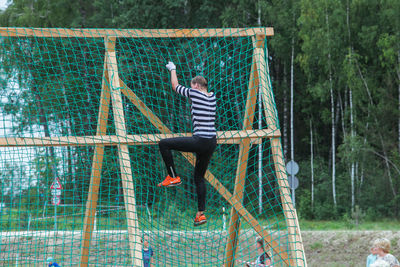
(51, 95)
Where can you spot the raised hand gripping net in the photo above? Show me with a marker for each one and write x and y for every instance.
(87, 108)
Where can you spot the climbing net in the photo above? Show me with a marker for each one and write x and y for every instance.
(81, 112)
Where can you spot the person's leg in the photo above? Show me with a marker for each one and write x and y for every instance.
(200, 169)
(185, 144)
(202, 161)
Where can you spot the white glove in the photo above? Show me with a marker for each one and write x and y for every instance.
(170, 66)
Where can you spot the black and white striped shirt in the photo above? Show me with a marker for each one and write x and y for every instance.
(203, 108)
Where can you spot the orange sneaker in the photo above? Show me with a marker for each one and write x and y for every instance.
(199, 220)
(170, 181)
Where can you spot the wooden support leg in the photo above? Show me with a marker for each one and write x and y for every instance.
(95, 176)
(234, 224)
(124, 159)
(295, 243)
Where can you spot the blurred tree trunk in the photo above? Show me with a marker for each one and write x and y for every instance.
(312, 164)
(285, 112)
(333, 130)
(352, 131)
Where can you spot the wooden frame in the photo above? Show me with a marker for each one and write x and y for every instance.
(113, 87)
(223, 137)
(132, 33)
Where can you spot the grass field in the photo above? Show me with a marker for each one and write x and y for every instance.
(382, 225)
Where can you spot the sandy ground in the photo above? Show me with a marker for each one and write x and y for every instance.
(344, 248)
(323, 248)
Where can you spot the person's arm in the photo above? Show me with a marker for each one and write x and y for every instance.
(179, 89)
(174, 79)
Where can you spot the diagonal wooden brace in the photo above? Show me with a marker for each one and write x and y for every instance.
(95, 176)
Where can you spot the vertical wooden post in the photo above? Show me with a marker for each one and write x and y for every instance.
(295, 242)
(123, 153)
(234, 224)
(95, 176)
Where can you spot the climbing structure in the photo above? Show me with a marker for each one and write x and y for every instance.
(81, 113)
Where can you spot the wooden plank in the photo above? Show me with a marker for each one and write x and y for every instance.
(234, 223)
(223, 137)
(95, 176)
(133, 33)
(221, 189)
(124, 161)
(295, 242)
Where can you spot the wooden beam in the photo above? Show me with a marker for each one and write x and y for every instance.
(124, 160)
(234, 223)
(132, 33)
(95, 176)
(295, 242)
(223, 137)
(218, 186)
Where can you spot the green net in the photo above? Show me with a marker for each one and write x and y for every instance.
(81, 113)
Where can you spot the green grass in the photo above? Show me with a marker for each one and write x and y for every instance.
(316, 245)
(385, 224)
(17, 220)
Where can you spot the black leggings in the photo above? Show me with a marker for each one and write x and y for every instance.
(203, 147)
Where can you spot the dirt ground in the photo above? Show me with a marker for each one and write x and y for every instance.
(344, 248)
(323, 248)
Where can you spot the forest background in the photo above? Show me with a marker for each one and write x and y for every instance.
(341, 59)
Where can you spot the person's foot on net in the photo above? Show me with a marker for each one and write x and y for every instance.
(200, 219)
(170, 181)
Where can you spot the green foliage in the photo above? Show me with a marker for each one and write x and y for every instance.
(304, 206)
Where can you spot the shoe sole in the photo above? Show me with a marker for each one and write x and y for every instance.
(175, 184)
(170, 185)
(200, 223)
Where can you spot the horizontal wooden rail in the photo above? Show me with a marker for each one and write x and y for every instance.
(133, 33)
(224, 137)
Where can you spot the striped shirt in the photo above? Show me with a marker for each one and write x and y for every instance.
(203, 109)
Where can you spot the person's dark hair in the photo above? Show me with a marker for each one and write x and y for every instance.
(200, 80)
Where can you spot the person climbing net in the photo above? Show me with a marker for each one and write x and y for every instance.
(202, 143)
